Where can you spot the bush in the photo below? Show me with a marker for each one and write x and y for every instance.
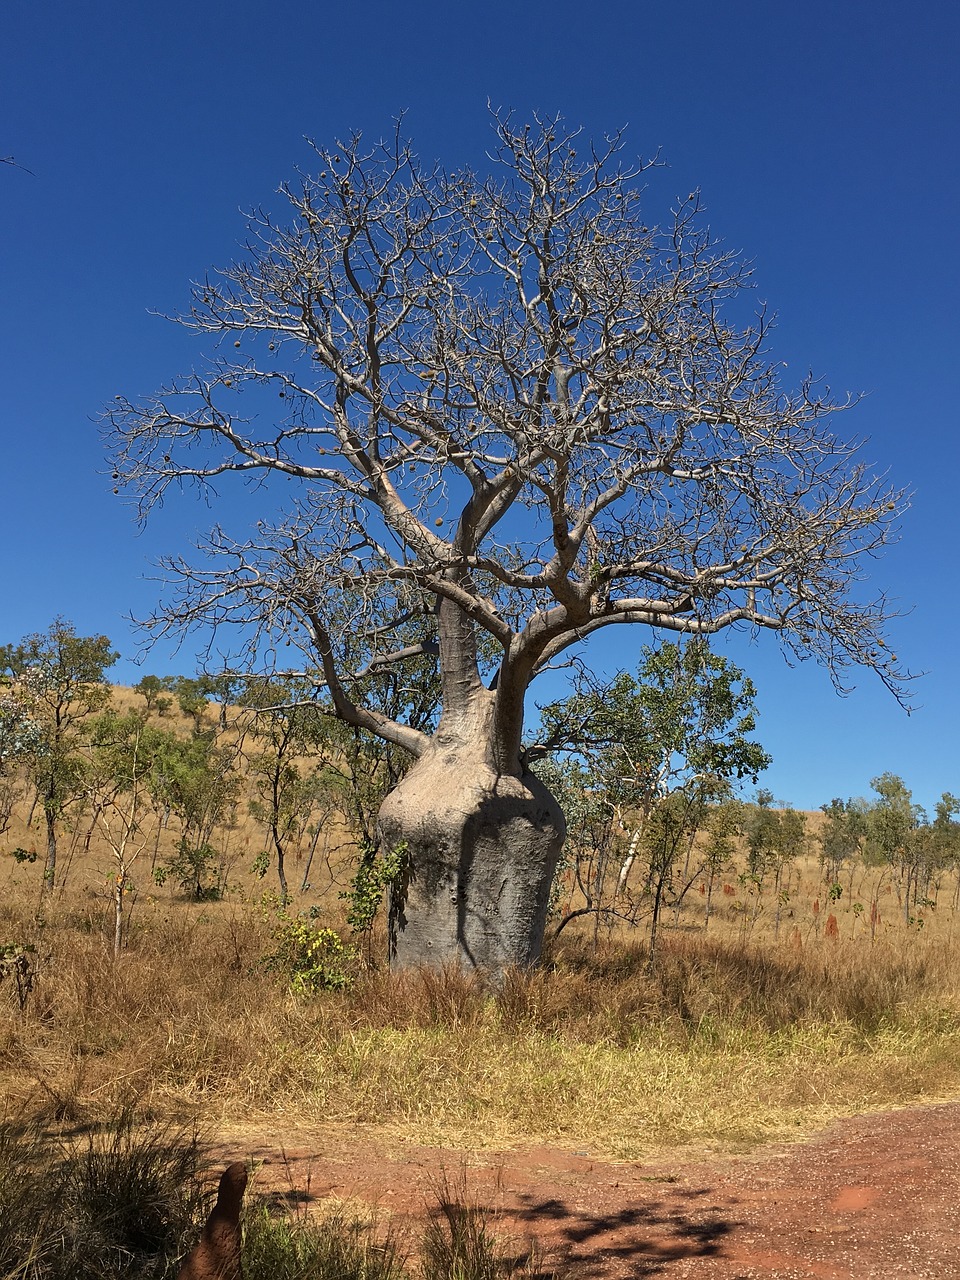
(199, 870)
(300, 1248)
(310, 957)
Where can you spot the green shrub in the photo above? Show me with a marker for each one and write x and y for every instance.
(375, 875)
(199, 870)
(300, 1248)
(309, 957)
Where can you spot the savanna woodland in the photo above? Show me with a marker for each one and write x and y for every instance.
(452, 426)
(516, 413)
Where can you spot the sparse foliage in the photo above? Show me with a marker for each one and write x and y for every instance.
(650, 756)
(62, 677)
(899, 833)
(125, 760)
(841, 835)
(517, 412)
(285, 733)
(197, 781)
(21, 737)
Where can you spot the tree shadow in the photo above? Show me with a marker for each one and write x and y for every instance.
(648, 1237)
(549, 1236)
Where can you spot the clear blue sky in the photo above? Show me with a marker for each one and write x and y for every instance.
(824, 136)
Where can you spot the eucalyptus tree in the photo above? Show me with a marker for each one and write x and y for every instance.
(586, 880)
(900, 834)
(191, 694)
(124, 751)
(196, 779)
(63, 677)
(943, 839)
(841, 836)
(724, 825)
(776, 837)
(284, 736)
(511, 406)
(893, 822)
(21, 736)
(658, 750)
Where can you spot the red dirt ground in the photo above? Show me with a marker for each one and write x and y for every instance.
(874, 1196)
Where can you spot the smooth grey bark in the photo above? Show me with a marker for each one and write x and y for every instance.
(482, 850)
(482, 834)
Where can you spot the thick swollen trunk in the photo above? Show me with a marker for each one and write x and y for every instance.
(482, 849)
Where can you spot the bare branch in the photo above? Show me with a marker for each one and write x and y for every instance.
(513, 401)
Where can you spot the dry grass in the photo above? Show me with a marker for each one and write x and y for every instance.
(110, 1205)
(86, 866)
(722, 1045)
(127, 1200)
(735, 1036)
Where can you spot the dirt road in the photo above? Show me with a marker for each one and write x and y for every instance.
(875, 1196)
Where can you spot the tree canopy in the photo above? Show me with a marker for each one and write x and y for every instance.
(515, 395)
(485, 417)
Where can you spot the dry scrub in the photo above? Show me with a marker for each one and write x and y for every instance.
(723, 1044)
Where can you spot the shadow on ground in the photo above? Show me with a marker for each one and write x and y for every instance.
(642, 1240)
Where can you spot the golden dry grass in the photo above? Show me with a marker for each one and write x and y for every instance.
(735, 1036)
(723, 1046)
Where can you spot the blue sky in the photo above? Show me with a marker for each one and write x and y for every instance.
(824, 139)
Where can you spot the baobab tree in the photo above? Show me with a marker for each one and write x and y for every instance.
(508, 412)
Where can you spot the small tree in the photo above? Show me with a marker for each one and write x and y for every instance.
(21, 737)
(776, 837)
(944, 838)
(791, 845)
(226, 688)
(724, 823)
(286, 733)
(669, 836)
(198, 782)
(659, 750)
(893, 821)
(124, 751)
(153, 690)
(515, 411)
(900, 834)
(763, 833)
(63, 676)
(840, 836)
(191, 694)
(590, 852)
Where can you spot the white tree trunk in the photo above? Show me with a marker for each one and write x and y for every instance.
(627, 864)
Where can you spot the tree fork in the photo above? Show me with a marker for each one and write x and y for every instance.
(517, 414)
